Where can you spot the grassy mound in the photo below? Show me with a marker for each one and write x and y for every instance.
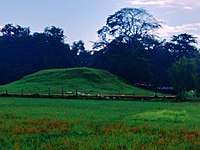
(86, 80)
(163, 115)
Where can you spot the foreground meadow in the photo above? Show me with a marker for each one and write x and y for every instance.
(81, 124)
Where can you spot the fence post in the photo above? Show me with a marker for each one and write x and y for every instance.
(22, 92)
(6, 92)
(76, 92)
(49, 91)
(62, 91)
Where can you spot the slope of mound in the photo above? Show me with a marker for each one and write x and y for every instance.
(86, 80)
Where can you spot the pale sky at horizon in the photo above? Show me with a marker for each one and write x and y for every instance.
(80, 19)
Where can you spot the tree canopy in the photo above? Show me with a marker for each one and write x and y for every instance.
(127, 24)
(9, 30)
(54, 33)
(184, 76)
(183, 45)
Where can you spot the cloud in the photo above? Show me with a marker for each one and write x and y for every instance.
(167, 31)
(151, 2)
(187, 7)
(184, 4)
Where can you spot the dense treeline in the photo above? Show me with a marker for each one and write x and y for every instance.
(127, 47)
(22, 53)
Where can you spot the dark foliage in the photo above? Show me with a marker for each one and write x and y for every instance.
(127, 47)
(22, 53)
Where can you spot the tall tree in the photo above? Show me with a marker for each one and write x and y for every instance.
(160, 59)
(22, 53)
(126, 25)
(54, 33)
(79, 55)
(78, 47)
(127, 40)
(183, 45)
(9, 30)
(184, 76)
(198, 73)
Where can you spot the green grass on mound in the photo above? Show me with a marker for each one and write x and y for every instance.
(86, 80)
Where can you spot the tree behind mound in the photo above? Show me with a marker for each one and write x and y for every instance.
(184, 76)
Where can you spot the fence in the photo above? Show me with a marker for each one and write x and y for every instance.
(79, 94)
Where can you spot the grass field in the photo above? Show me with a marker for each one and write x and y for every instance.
(81, 124)
(86, 80)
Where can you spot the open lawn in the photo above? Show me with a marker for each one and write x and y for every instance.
(81, 124)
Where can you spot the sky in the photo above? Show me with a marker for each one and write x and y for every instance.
(80, 19)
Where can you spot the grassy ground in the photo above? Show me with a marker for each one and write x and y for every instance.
(76, 124)
(86, 80)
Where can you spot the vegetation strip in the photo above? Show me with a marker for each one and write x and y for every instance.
(93, 97)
